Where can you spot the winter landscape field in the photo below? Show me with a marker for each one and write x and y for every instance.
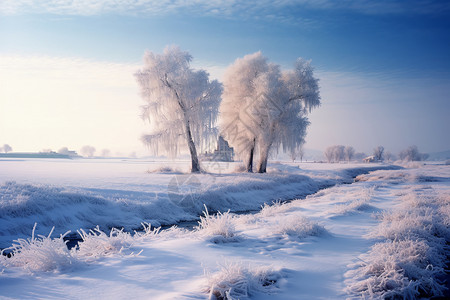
(225, 149)
(149, 230)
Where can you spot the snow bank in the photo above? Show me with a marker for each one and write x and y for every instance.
(22, 205)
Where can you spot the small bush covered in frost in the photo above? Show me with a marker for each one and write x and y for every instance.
(421, 223)
(97, 244)
(220, 227)
(39, 254)
(413, 257)
(236, 282)
(44, 253)
(147, 231)
(298, 227)
(398, 269)
(418, 217)
(274, 209)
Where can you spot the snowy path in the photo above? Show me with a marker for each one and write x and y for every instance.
(306, 246)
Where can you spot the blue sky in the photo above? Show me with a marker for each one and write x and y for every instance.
(384, 65)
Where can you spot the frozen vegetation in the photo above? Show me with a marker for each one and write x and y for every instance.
(383, 236)
(411, 260)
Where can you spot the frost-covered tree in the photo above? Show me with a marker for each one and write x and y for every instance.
(181, 103)
(378, 153)
(87, 151)
(297, 152)
(388, 155)
(412, 154)
(263, 107)
(339, 153)
(64, 151)
(301, 153)
(329, 153)
(6, 148)
(236, 124)
(349, 152)
(106, 153)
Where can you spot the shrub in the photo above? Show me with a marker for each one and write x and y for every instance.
(39, 254)
(298, 227)
(236, 282)
(97, 244)
(219, 227)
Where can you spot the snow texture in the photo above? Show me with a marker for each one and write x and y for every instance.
(383, 236)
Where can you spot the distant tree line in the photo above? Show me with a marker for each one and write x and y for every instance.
(412, 154)
(338, 153)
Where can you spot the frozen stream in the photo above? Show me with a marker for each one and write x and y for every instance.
(73, 239)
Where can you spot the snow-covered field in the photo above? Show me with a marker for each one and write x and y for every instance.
(386, 233)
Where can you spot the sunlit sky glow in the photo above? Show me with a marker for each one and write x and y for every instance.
(66, 67)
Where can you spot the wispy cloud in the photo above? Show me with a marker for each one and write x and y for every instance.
(279, 10)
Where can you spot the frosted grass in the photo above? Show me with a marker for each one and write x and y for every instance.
(46, 254)
(234, 281)
(409, 263)
(219, 228)
(297, 227)
(40, 254)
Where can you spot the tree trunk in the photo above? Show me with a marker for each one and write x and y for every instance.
(264, 151)
(195, 164)
(264, 156)
(250, 158)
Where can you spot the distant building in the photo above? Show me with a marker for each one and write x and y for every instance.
(370, 159)
(72, 153)
(223, 152)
